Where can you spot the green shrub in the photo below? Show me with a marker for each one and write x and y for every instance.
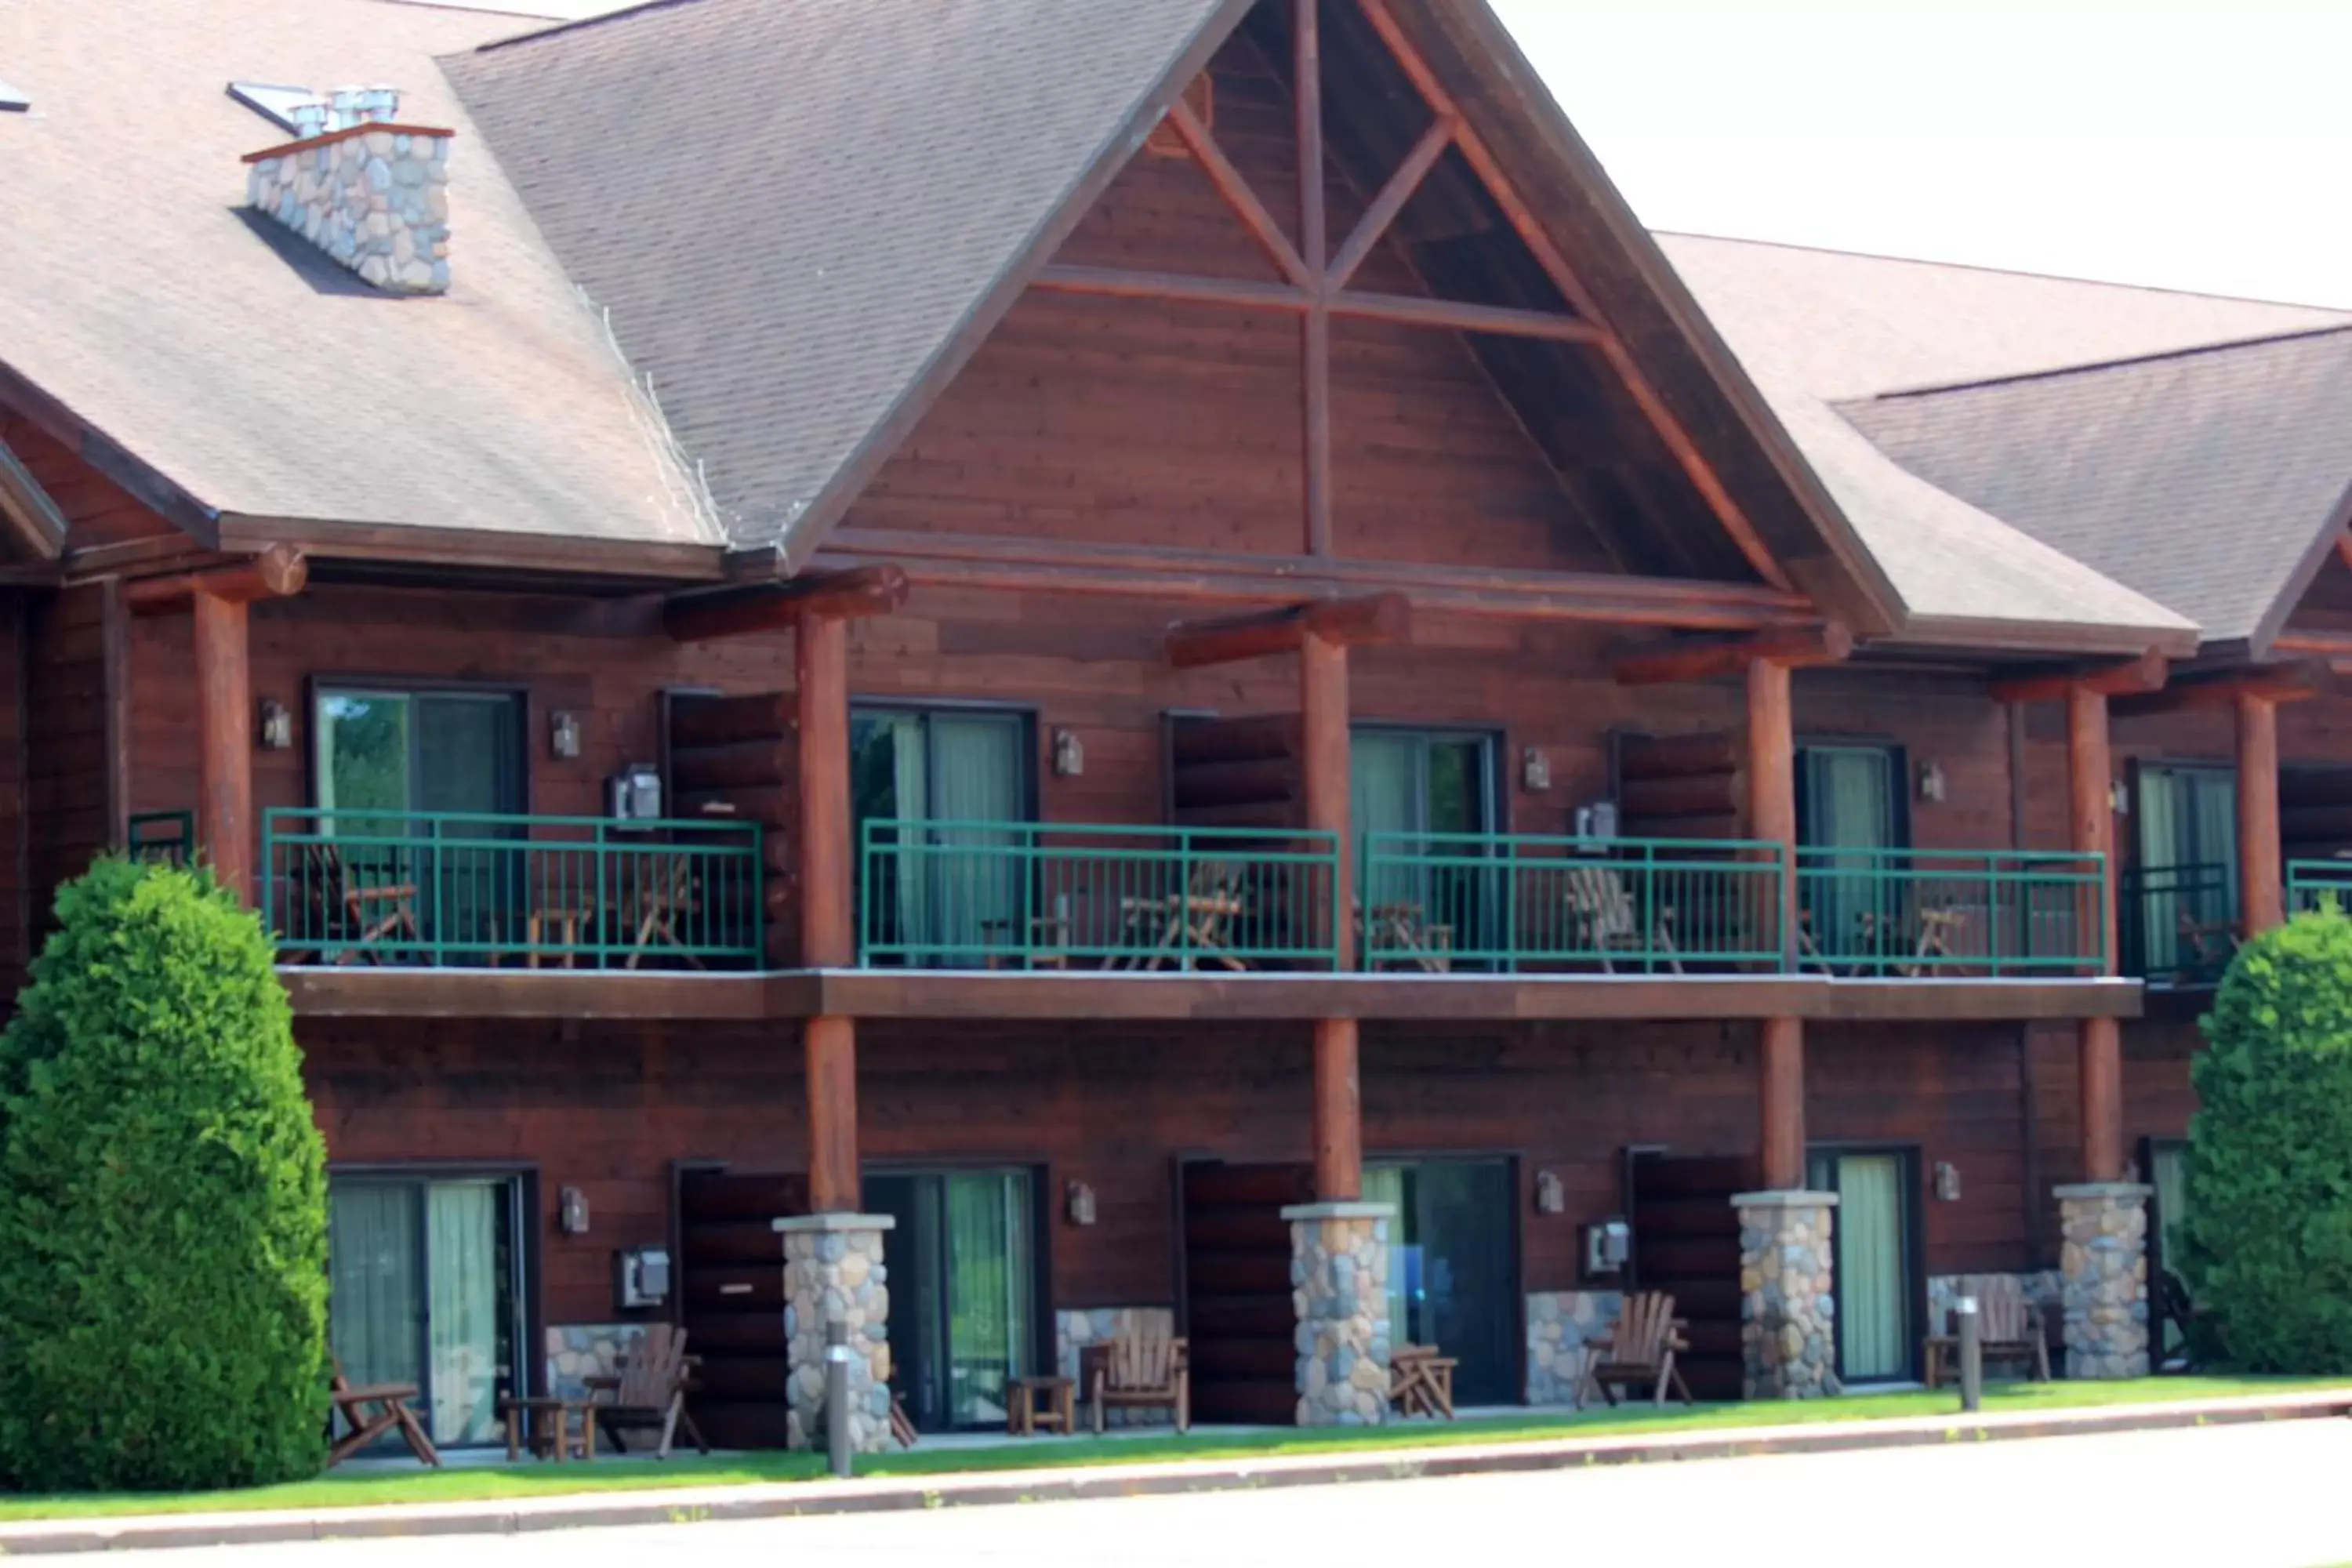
(162, 1201)
(2269, 1221)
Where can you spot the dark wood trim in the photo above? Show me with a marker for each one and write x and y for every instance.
(1233, 186)
(1789, 648)
(1382, 213)
(34, 522)
(2116, 677)
(117, 632)
(1404, 309)
(2287, 682)
(141, 480)
(278, 572)
(570, 556)
(587, 996)
(1376, 619)
(857, 594)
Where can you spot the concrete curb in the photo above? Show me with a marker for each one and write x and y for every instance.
(697, 1505)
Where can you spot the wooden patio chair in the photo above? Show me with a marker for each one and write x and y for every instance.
(1421, 1381)
(1185, 929)
(1403, 937)
(1639, 1352)
(902, 1426)
(351, 914)
(2202, 947)
(654, 906)
(368, 1413)
(648, 1391)
(1604, 913)
(2009, 1328)
(1142, 1367)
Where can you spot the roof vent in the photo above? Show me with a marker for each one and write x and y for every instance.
(369, 191)
(12, 102)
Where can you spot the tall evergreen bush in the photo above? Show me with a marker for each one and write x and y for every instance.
(162, 1201)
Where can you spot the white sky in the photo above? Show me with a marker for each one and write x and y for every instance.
(2201, 146)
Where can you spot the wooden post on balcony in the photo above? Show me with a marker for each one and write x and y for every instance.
(1772, 816)
(821, 660)
(2089, 777)
(2261, 878)
(223, 741)
(1339, 1100)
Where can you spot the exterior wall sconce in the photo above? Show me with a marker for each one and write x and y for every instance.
(1551, 1194)
(1069, 754)
(277, 727)
(1534, 771)
(563, 736)
(2119, 799)
(1079, 1203)
(1931, 783)
(1948, 1181)
(572, 1212)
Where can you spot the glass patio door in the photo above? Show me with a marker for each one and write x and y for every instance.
(411, 751)
(1411, 788)
(962, 1271)
(1452, 1275)
(1875, 1273)
(2188, 867)
(961, 781)
(1848, 802)
(425, 1290)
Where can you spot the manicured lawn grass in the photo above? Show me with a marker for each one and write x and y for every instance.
(361, 1488)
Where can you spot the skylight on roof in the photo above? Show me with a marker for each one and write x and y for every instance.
(12, 102)
(272, 102)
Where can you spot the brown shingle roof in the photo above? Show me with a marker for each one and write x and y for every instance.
(2211, 479)
(797, 213)
(258, 376)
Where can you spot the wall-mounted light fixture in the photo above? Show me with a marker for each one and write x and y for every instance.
(1551, 1194)
(1069, 754)
(277, 725)
(1931, 783)
(1079, 1203)
(1948, 1181)
(2119, 798)
(572, 1212)
(1534, 771)
(563, 735)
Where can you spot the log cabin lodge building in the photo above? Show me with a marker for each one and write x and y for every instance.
(1142, 658)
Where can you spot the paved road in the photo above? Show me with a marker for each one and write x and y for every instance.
(2249, 1497)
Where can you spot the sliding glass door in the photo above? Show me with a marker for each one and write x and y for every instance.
(390, 751)
(1451, 1273)
(958, 783)
(1876, 1279)
(1850, 805)
(2188, 874)
(425, 1277)
(963, 1281)
(1410, 790)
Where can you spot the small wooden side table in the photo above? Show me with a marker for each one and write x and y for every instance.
(544, 1425)
(1040, 1404)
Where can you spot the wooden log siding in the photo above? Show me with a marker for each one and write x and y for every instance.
(607, 1107)
(73, 736)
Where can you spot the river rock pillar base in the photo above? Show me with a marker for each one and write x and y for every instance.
(1788, 1313)
(2104, 1269)
(833, 1269)
(1339, 1288)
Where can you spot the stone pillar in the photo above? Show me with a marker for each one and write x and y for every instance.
(2104, 1269)
(1788, 1313)
(833, 1269)
(1339, 1288)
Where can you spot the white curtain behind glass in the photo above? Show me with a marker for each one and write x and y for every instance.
(1873, 1280)
(462, 1228)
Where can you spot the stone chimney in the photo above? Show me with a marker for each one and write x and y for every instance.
(368, 190)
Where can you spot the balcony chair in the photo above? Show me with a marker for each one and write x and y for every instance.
(346, 918)
(1638, 1352)
(648, 1391)
(1143, 1366)
(1185, 929)
(1606, 918)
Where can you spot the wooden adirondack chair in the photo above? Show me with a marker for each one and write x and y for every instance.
(648, 1391)
(1604, 913)
(2008, 1327)
(1144, 1366)
(348, 915)
(1640, 1350)
(368, 1413)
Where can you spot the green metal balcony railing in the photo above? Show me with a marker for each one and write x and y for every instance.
(2178, 923)
(1517, 903)
(2318, 884)
(1925, 913)
(1007, 895)
(457, 889)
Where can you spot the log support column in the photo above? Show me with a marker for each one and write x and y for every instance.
(1772, 816)
(821, 659)
(2262, 874)
(2103, 1260)
(224, 825)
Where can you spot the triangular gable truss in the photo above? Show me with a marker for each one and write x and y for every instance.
(1316, 281)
